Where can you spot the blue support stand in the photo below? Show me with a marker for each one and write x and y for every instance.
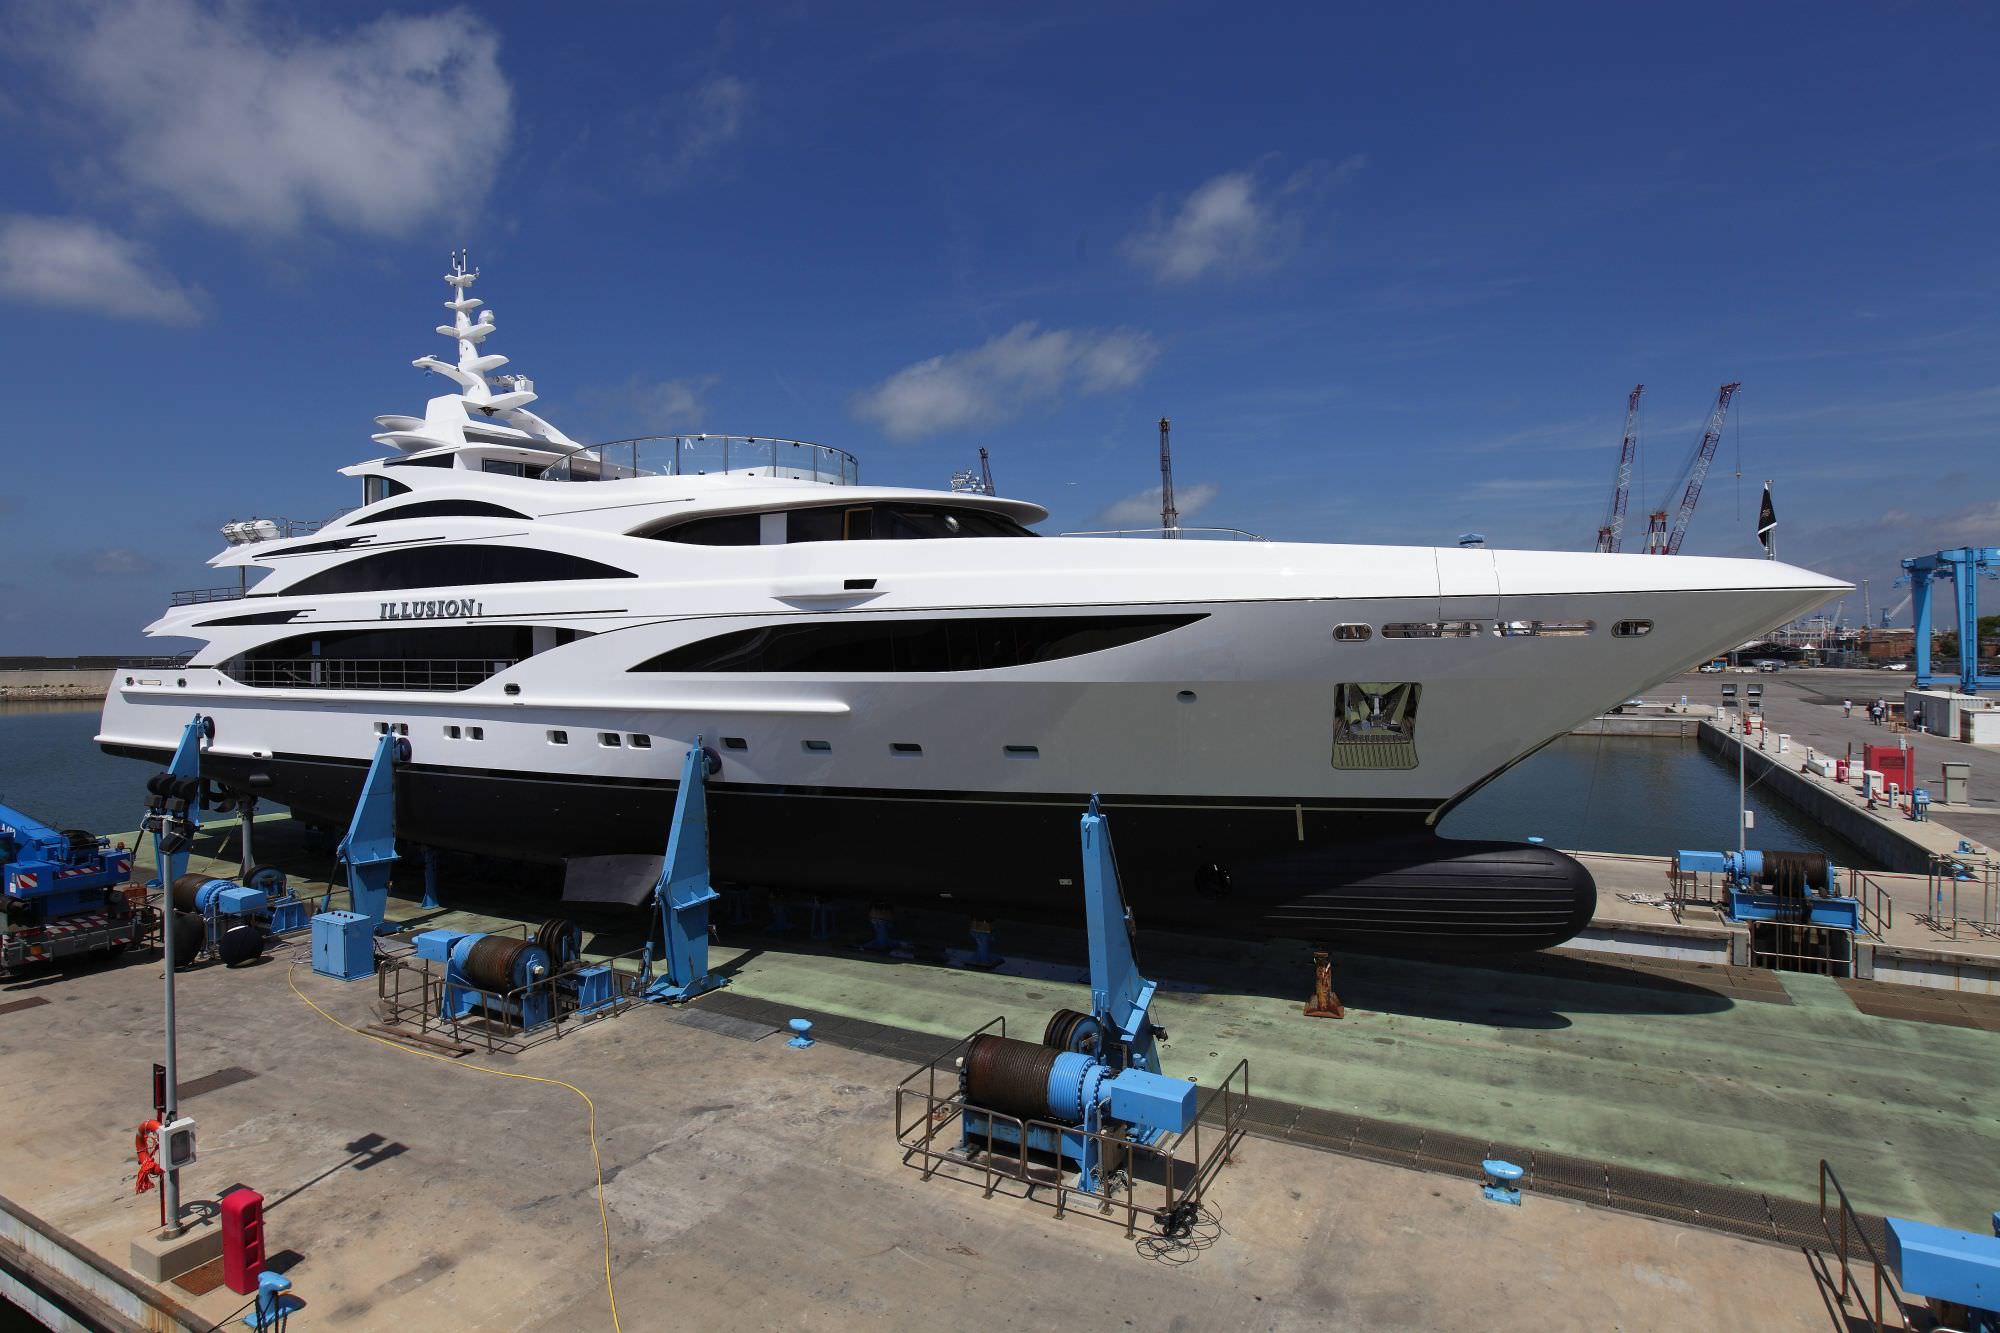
(682, 896)
(882, 931)
(822, 920)
(431, 878)
(1109, 1068)
(369, 850)
(983, 956)
(1120, 998)
(185, 764)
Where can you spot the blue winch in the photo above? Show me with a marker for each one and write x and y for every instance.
(232, 917)
(507, 978)
(1790, 887)
(1095, 1078)
(61, 893)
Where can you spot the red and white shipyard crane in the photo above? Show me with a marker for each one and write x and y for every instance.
(1612, 534)
(1661, 540)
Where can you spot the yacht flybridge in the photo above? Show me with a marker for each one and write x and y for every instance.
(912, 694)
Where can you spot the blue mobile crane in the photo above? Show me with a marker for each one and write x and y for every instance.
(62, 894)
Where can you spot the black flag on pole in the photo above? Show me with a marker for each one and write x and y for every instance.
(1767, 518)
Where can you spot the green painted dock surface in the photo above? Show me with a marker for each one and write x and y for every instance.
(1711, 1074)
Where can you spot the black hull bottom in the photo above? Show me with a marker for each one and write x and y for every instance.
(1364, 877)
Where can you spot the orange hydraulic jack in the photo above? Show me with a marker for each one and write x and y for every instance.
(1324, 1003)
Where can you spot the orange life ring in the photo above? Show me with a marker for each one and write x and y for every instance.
(147, 1143)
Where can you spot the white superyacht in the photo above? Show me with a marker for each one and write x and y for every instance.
(912, 694)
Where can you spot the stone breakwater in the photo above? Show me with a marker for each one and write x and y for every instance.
(39, 692)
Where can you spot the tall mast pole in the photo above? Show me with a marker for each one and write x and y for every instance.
(1170, 517)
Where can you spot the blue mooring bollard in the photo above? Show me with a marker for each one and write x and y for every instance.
(800, 1027)
(1502, 1181)
(274, 1305)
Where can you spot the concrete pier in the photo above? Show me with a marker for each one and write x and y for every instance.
(1807, 706)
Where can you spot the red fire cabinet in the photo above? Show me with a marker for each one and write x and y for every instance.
(1895, 764)
(242, 1240)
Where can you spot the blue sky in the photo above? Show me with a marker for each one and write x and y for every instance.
(1391, 274)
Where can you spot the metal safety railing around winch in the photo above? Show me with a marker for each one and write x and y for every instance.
(1179, 1166)
(412, 996)
(1882, 1306)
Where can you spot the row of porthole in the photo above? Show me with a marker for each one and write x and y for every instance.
(912, 750)
(1506, 629)
(612, 740)
(608, 740)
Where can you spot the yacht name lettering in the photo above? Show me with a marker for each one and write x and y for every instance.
(446, 609)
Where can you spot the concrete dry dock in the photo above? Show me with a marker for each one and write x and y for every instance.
(748, 1183)
(751, 1185)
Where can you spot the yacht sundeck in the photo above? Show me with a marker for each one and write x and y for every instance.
(912, 694)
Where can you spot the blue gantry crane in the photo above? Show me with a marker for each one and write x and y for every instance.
(1964, 566)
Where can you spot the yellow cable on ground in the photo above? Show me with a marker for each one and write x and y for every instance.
(603, 1217)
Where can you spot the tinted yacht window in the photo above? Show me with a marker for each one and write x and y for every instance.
(721, 530)
(429, 658)
(451, 567)
(869, 644)
(896, 521)
(440, 509)
(374, 488)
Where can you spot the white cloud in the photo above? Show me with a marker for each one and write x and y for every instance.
(114, 560)
(1233, 223)
(641, 405)
(670, 404)
(1142, 510)
(714, 118)
(252, 125)
(682, 137)
(992, 382)
(73, 262)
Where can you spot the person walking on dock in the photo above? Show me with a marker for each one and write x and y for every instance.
(1847, 708)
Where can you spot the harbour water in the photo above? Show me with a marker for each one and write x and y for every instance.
(1640, 795)
(1629, 794)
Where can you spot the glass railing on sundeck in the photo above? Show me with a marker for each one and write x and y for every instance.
(707, 455)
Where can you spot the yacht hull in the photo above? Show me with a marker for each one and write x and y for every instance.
(1365, 875)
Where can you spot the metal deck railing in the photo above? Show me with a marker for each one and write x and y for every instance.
(197, 596)
(1953, 884)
